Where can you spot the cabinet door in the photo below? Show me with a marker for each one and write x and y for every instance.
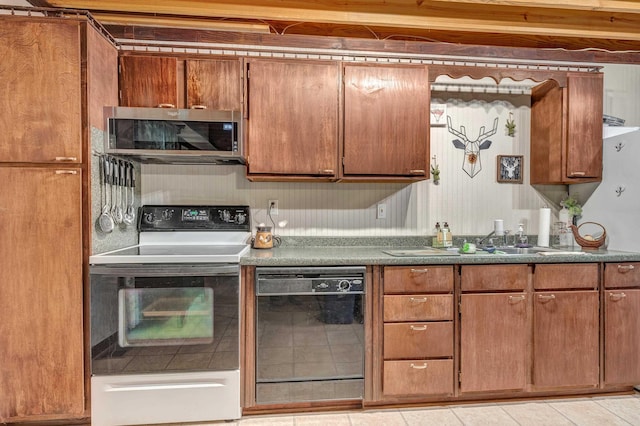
(565, 339)
(493, 342)
(584, 125)
(386, 121)
(40, 108)
(214, 84)
(41, 329)
(148, 81)
(293, 118)
(621, 337)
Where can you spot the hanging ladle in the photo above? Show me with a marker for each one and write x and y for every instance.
(105, 221)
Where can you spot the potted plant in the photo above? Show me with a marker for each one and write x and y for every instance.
(574, 207)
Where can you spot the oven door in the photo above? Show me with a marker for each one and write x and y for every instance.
(164, 318)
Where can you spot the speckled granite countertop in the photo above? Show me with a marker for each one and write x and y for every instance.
(365, 251)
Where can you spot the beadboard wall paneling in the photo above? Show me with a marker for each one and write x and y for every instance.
(621, 88)
(469, 205)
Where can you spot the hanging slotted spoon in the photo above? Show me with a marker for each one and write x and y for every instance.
(130, 213)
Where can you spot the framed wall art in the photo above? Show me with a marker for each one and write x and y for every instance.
(438, 112)
(510, 168)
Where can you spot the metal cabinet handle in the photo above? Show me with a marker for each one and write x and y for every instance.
(326, 172)
(66, 172)
(416, 172)
(419, 367)
(419, 271)
(625, 268)
(617, 296)
(166, 106)
(515, 299)
(198, 107)
(418, 327)
(578, 174)
(546, 297)
(66, 158)
(418, 300)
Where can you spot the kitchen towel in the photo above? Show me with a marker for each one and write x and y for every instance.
(544, 224)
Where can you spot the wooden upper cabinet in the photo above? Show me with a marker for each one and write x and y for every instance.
(148, 81)
(214, 84)
(41, 106)
(386, 121)
(292, 122)
(566, 130)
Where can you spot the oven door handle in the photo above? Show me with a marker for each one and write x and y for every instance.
(163, 270)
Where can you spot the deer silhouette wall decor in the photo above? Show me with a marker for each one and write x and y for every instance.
(471, 163)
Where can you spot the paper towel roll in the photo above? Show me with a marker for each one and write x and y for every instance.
(544, 224)
(498, 227)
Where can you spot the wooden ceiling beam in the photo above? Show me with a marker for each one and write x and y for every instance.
(518, 17)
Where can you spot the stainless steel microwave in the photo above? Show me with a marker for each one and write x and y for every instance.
(175, 136)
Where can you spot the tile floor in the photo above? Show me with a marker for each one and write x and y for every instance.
(584, 411)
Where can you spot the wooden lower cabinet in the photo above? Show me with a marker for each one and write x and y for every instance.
(418, 377)
(41, 325)
(493, 342)
(566, 339)
(416, 340)
(621, 301)
(418, 332)
(622, 337)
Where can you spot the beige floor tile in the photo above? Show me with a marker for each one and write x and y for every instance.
(323, 420)
(627, 407)
(268, 421)
(431, 417)
(477, 415)
(377, 418)
(587, 413)
(535, 414)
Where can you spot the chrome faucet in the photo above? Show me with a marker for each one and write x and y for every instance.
(479, 241)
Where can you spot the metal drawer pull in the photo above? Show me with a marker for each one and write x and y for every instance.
(578, 173)
(66, 172)
(617, 296)
(514, 299)
(420, 300)
(326, 172)
(66, 158)
(625, 268)
(416, 171)
(419, 271)
(419, 367)
(546, 297)
(166, 106)
(418, 327)
(198, 107)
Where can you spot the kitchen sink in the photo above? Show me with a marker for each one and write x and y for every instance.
(511, 251)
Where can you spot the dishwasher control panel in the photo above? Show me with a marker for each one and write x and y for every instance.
(337, 285)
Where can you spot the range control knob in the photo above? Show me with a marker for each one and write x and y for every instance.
(149, 217)
(167, 214)
(344, 285)
(240, 218)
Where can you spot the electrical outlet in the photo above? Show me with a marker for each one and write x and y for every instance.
(273, 207)
(381, 213)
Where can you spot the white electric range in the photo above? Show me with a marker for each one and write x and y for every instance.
(165, 319)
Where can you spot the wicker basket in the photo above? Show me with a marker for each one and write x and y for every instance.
(590, 244)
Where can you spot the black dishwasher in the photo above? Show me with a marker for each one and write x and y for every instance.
(309, 334)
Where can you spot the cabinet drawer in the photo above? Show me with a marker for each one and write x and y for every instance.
(494, 277)
(418, 340)
(617, 275)
(418, 307)
(434, 377)
(566, 276)
(418, 279)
